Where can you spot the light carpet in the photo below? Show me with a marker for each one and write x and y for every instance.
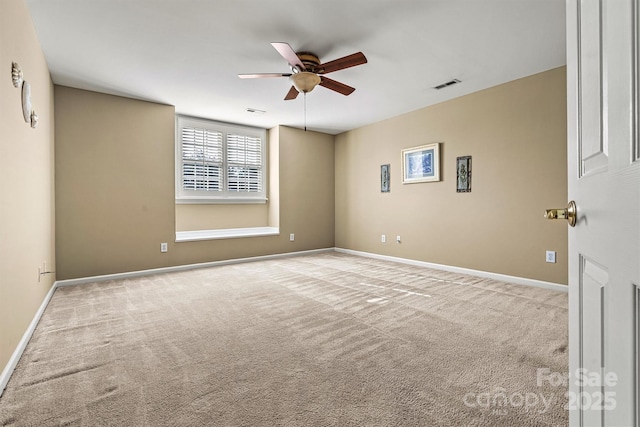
(319, 340)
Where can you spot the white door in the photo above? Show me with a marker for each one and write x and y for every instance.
(604, 181)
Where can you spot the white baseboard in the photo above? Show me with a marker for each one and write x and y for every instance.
(15, 357)
(186, 267)
(461, 270)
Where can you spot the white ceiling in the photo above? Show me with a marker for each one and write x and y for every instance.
(188, 53)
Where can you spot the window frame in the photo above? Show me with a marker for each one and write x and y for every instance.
(183, 196)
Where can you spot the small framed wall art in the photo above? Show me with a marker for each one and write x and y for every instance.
(463, 174)
(385, 178)
(421, 164)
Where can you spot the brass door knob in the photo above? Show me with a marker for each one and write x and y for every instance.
(569, 213)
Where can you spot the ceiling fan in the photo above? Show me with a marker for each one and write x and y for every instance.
(307, 72)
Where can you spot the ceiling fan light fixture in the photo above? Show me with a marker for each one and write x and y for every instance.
(305, 81)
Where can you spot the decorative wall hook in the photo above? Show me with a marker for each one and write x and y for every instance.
(26, 101)
(30, 116)
(16, 74)
(34, 119)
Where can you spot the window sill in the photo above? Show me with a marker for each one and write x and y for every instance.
(226, 233)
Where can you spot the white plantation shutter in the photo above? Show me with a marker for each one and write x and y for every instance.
(244, 163)
(219, 162)
(202, 159)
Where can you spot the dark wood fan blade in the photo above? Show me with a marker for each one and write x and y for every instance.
(288, 54)
(262, 75)
(342, 63)
(337, 86)
(292, 94)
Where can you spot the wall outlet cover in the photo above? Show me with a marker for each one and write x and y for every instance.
(163, 247)
(551, 256)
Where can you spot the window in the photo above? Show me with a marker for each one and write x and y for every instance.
(218, 162)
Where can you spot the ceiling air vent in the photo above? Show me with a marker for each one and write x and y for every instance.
(447, 84)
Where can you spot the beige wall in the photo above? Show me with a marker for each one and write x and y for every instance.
(210, 217)
(26, 173)
(112, 176)
(115, 189)
(516, 133)
(273, 216)
(307, 198)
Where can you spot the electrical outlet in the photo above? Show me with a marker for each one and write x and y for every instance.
(163, 247)
(398, 239)
(551, 256)
(292, 237)
(383, 239)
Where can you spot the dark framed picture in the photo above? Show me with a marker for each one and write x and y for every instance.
(385, 178)
(421, 164)
(463, 174)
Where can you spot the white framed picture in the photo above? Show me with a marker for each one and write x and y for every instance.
(421, 164)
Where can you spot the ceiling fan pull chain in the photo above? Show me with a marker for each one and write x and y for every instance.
(305, 111)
